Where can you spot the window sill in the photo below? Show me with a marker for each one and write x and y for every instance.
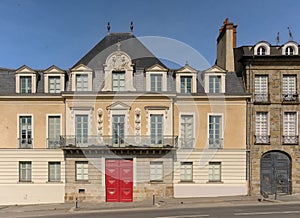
(82, 182)
(25, 182)
(156, 182)
(214, 182)
(186, 182)
(54, 182)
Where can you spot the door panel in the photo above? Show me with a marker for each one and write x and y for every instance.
(119, 180)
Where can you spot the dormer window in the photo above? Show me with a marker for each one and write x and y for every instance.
(156, 82)
(289, 50)
(186, 80)
(156, 78)
(25, 80)
(54, 80)
(81, 78)
(214, 84)
(118, 81)
(261, 50)
(214, 80)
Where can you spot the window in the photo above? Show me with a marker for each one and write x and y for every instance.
(25, 171)
(185, 84)
(26, 84)
(54, 171)
(214, 172)
(156, 82)
(53, 131)
(261, 50)
(81, 82)
(186, 171)
(215, 131)
(81, 129)
(289, 88)
(290, 130)
(214, 84)
(25, 134)
(54, 84)
(118, 80)
(156, 128)
(262, 128)
(261, 88)
(81, 170)
(289, 50)
(118, 129)
(187, 131)
(156, 171)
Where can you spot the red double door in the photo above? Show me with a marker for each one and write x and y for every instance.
(119, 180)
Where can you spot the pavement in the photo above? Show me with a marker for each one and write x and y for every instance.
(40, 210)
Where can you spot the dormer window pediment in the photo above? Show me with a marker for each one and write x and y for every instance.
(156, 78)
(54, 80)
(82, 78)
(186, 80)
(214, 80)
(290, 48)
(26, 79)
(262, 48)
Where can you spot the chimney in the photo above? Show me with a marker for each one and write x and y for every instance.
(226, 42)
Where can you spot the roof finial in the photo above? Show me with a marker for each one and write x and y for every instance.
(277, 38)
(119, 46)
(108, 27)
(186, 63)
(290, 33)
(131, 26)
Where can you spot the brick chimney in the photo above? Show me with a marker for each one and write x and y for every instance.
(226, 42)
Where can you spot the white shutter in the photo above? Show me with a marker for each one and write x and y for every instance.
(261, 85)
(290, 124)
(289, 85)
(261, 123)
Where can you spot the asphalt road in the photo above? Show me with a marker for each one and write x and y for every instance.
(265, 211)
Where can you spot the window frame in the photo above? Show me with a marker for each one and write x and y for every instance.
(156, 171)
(28, 171)
(28, 141)
(57, 171)
(286, 129)
(217, 80)
(184, 175)
(182, 136)
(158, 85)
(81, 176)
(221, 131)
(121, 78)
(55, 90)
(212, 171)
(56, 139)
(186, 84)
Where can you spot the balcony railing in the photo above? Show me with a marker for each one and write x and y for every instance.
(262, 139)
(289, 98)
(53, 143)
(120, 142)
(290, 140)
(215, 143)
(187, 142)
(261, 98)
(25, 143)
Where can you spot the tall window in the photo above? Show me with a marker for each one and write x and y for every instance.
(262, 127)
(261, 88)
(156, 171)
(214, 84)
(54, 171)
(118, 81)
(81, 82)
(53, 131)
(215, 131)
(185, 84)
(54, 84)
(186, 171)
(261, 50)
(25, 125)
(82, 170)
(290, 130)
(26, 84)
(25, 171)
(118, 129)
(214, 172)
(81, 129)
(156, 82)
(156, 128)
(289, 50)
(187, 131)
(289, 87)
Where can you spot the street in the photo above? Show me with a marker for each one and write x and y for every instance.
(260, 211)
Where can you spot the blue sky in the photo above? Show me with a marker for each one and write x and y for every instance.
(41, 33)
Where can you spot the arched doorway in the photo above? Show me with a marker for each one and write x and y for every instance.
(275, 173)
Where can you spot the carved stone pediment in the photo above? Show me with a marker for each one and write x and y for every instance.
(118, 61)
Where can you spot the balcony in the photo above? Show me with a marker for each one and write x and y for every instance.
(128, 141)
(262, 139)
(187, 142)
(25, 143)
(261, 98)
(290, 98)
(290, 140)
(53, 143)
(215, 143)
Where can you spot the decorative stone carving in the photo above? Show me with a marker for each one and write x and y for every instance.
(119, 61)
(137, 121)
(100, 121)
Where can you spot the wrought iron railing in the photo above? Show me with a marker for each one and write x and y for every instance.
(262, 139)
(25, 143)
(119, 142)
(261, 98)
(53, 143)
(290, 97)
(215, 143)
(186, 142)
(290, 139)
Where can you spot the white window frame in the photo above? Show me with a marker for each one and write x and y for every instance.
(81, 170)
(121, 78)
(163, 81)
(193, 129)
(286, 129)
(263, 44)
(82, 70)
(292, 45)
(32, 128)
(221, 131)
(158, 85)
(212, 170)
(54, 72)
(217, 79)
(26, 71)
(222, 82)
(57, 171)
(185, 168)
(261, 132)
(47, 124)
(286, 84)
(56, 79)
(156, 171)
(28, 171)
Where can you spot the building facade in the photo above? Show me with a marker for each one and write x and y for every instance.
(121, 126)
